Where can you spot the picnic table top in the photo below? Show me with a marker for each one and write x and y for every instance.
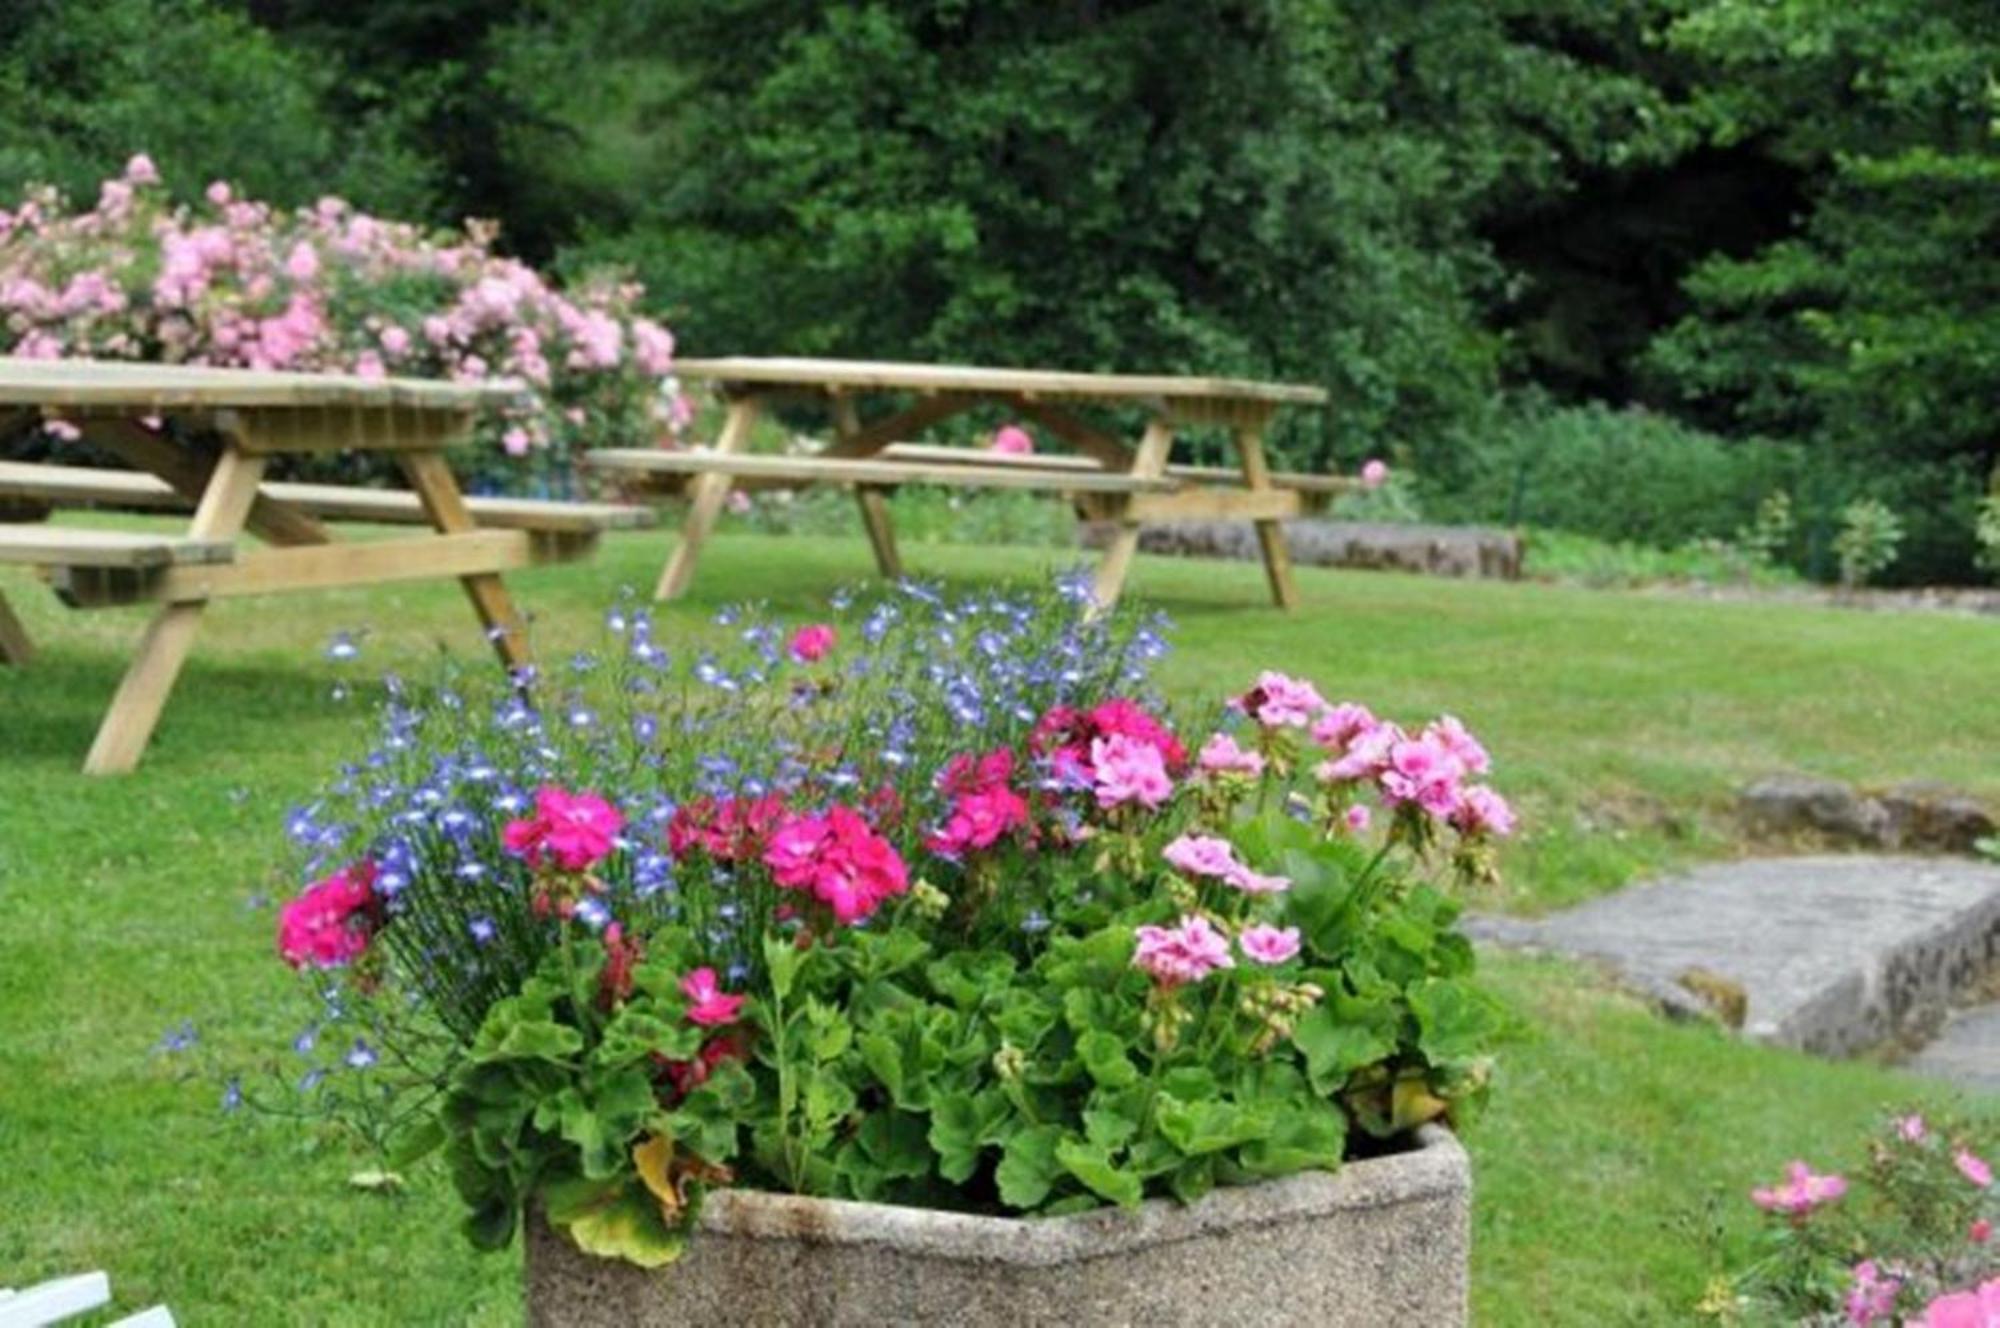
(143, 386)
(1034, 383)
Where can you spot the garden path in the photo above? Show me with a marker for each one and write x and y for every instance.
(1835, 954)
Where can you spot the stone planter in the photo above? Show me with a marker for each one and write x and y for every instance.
(1383, 1241)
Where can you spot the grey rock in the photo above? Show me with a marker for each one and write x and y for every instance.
(1459, 551)
(1935, 817)
(1835, 954)
(1800, 804)
(1967, 1050)
(1385, 1240)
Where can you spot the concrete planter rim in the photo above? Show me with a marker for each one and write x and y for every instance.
(1435, 1167)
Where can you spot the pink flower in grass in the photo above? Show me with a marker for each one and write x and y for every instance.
(1973, 1167)
(1481, 811)
(812, 643)
(1265, 944)
(1872, 1294)
(1221, 755)
(1182, 954)
(708, 1004)
(1126, 770)
(1012, 440)
(1374, 473)
(1278, 701)
(840, 860)
(574, 831)
(1977, 1308)
(1203, 855)
(1911, 1129)
(329, 924)
(1802, 1191)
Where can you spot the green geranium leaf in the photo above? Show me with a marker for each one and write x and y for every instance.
(1206, 1127)
(1302, 1135)
(1193, 1178)
(962, 1125)
(1103, 1055)
(508, 1034)
(971, 977)
(1456, 1021)
(636, 1033)
(894, 1141)
(416, 1141)
(1094, 1167)
(618, 1220)
(1335, 1049)
(1028, 1166)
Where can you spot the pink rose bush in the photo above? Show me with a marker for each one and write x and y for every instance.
(927, 897)
(1902, 1239)
(233, 282)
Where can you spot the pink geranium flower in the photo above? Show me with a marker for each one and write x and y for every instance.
(1278, 701)
(1973, 1167)
(812, 643)
(1423, 770)
(1911, 1128)
(1453, 736)
(708, 1004)
(1872, 1294)
(1977, 1308)
(1342, 724)
(330, 922)
(1357, 818)
(1182, 954)
(979, 820)
(1481, 811)
(574, 831)
(838, 859)
(1265, 944)
(1221, 755)
(1374, 473)
(1801, 1192)
(1203, 855)
(1126, 770)
(1013, 440)
(1256, 883)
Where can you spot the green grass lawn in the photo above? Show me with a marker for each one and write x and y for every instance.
(1622, 723)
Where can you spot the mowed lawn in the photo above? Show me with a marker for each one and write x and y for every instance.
(1622, 725)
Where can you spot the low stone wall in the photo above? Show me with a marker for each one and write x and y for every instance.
(1386, 1240)
(1462, 551)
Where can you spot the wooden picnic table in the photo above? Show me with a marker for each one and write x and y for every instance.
(1126, 483)
(245, 418)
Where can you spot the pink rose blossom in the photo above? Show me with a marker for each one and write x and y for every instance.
(1973, 1167)
(1801, 1192)
(1012, 440)
(812, 643)
(328, 925)
(515, 442)
(1202, 855)
(395, 341)
(840, 860)
(1182, 954)
(574, 831)
(302, 264)
(141, 170)
(708, 1004)
(1374, 473)
(1265, 944)
(1221, 755)
(218, 193)
(1126, 770)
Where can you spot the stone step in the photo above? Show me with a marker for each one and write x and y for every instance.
(1830, 954)
(1966, 1051)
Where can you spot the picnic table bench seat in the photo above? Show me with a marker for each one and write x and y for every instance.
(674, 469)
(69, 546)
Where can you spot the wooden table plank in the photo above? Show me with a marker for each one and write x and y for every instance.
(844, 470)
(72, 546)
(54, 384)
(1044, 383)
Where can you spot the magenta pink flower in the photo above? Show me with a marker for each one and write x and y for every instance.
(1342, 724)
(979, 820)
(1278, 701)
(1203, 855)
(1366, 757)
(1063, 736)
(1126, 770)
(1013, 440)
(966, 773)
(1872, 1295)
(1256, 883)
(1221, 755)
(1911, 1128)
(1449, 733)
(812, 643)
(141, 170)
(1977, 1308)
(1424, 771)
(840, 860)
(1374, 473)
(1980, 1232)
(1182, 954)
(1357, 818)
(1801, 1192)
(1265, 944)
(1973, 1167)
(330, 922)
(575, 831)
(708, 1004)
(1481, 811)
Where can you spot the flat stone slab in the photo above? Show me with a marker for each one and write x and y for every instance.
(1967, 1051)
(1833, 954)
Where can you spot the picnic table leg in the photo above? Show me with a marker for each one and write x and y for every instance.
(1148, 462)
(16, 646)
(135, 710)
(1270, 533)
(430, 475)
(873, 500)
(705, 499)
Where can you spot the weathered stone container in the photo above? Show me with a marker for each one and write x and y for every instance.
(1384, 1241)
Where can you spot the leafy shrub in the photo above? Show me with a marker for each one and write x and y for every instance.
(950, 916)
(1560, 556)
(1907, 1240)
(1869, 537)
(235, 282)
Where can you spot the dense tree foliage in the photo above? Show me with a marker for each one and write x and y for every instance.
(1770, 218)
